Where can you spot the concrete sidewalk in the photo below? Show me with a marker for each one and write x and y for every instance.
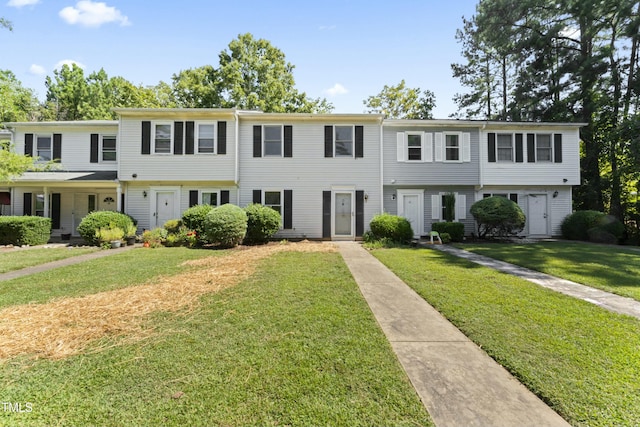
(606, 300)
(459, 384)
(62, 263)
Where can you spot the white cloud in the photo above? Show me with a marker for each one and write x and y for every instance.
(92, 14)
(68, 62)
(336, 89)
(21, 3)
(37, 70)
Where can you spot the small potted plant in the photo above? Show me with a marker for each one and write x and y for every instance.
(130, 234)
(110, 237)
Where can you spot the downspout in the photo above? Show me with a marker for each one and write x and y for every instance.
(236, 178)
(381, 165)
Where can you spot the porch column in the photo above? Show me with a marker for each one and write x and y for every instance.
(119, 197)
(46, 202)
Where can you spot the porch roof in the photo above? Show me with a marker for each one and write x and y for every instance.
(66, 176)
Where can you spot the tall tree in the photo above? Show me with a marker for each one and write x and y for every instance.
(17, 103)
(402, 102)
(13, 164)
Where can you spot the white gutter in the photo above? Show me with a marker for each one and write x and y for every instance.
(381, 165)
(237, 159)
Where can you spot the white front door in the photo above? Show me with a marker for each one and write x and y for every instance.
(83, 203)
(537, 215)
(410, 206)
(343, 214)
(165, 201)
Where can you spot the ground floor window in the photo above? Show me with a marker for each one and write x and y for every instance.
(39, 205)
(209, 198)
(273, 199)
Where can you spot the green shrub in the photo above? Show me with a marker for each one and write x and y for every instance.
(498, 216)
(24, 230)
(454, 229)
(445, 237)
(194, 217)
(94, 221)
(393, 227)
(592, 226)
(262, 223)
(155, 238)
(172, 225)
(107, 234)
(226, 225)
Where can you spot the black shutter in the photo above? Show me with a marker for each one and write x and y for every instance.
(328, 141)
(257, 141)
(491, 139)
(193, 197)
(519, 149)
(257, 196)
(557, 148)
(288, 141)
(288, 209)
(178, 128)
(28, 144)
(93, 157)
(55, 211)
(513, 197)
(189, 135)
(222, 138)
(122, 198)
(57, 147)
(146, 137)
(26, 204)
(359, 213)
(326, 214)
(359, 141)
(224, 197)
(531, 148)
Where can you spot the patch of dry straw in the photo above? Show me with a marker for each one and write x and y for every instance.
(65, 327)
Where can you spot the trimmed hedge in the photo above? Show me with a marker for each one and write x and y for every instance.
(262, 223)
(592, 226)
(93, 222)
(226, 226)
(454, 229)
(497, 216)
(24, 230)
(393, 227)
(194, 218)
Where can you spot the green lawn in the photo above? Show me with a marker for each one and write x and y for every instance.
(582, 360)
(614, 269)
(295, 344)
(16, 259)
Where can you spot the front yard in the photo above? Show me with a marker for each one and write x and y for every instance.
(292, 343)
(581, 360)
(15, 259)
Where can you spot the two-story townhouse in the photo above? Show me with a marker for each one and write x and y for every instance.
(81, 175)
(321, 171)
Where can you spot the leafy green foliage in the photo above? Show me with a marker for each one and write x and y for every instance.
(401, 102)
(226, 225)
(497, 216)
(17, 103)
(24, 230)
(13, 164)
(592, 226)
(455, 230)
(193, 218)
(94, 221)
(393, 227)
(262, 223)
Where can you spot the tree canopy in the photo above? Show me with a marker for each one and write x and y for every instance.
(17, 103)
(401, 102)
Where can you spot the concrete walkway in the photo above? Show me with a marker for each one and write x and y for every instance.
(458, 383)
(606, 300)
(62, 263)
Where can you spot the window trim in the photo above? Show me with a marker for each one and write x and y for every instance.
(101, 148)
(551, 152)
(36, 150)
(154, 133)
(444, 147)
(353, 141)
(512, 140)
(420, 148)
(264, 203)
(209, 190)
(196, 138)
(264, 140)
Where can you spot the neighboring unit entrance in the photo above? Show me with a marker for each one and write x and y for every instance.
(537, 214)
(411, 207)
(164, 207)
(343, 214)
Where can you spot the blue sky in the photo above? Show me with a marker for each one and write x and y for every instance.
(342, 50)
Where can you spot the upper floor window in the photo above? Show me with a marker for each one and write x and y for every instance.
(206, 138)
(343, 146)
(414, 146)
(162, 138)
(108, 148)
(452, 147)
(272, 140)
(543, 148)
(43, 147)
(505, 147)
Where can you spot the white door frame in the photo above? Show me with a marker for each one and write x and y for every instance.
(547, 218)
(153, 200)
(351, 190)
(401, 193)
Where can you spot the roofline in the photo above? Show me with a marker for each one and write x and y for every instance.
(64, 123)
(153, 112)
(341, 117)
(477, 123)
